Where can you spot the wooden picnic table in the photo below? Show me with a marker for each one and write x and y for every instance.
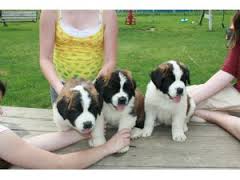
(207, 145)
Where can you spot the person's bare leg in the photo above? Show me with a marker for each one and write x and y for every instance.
(224, 120)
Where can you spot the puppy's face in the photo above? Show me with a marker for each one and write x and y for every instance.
(117, 89)
(80, 107)
(171, 78)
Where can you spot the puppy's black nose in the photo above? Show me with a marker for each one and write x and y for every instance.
(122, 100)
(179, 91)
(87, 125)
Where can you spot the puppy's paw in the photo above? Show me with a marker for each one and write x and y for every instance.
(146, 132)
(90, 143)
(136, 133)
(185, 128)
(179, 137)
(123, 150)
(96, 142)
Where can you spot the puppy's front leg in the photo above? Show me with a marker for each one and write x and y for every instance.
(129, 123)
(149, 123)
(178, 122)
(98, 137)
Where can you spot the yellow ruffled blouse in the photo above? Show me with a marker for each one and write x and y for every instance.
(76, 56)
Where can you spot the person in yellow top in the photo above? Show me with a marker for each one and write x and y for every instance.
(78, 43)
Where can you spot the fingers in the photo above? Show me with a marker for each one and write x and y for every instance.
(123, 131)
(126, 135)
(126, 142)
(87, 136)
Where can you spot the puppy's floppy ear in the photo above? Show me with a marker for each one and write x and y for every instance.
(100, 104)
(156, 77)
(100, 84)
(96, 97)
(62, 106)
(2, 89)
(134, 84)
(186, 73)
(129, 76)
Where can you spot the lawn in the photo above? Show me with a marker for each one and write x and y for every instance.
(139, 50)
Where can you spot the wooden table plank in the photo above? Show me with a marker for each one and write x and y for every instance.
(162, 152)
(207, 146)
(22, 112)
(49, 126)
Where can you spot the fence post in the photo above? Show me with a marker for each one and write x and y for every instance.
(210, 20)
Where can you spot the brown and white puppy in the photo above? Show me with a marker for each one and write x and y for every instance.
(167, 101)
(79, 106)
(123, 104)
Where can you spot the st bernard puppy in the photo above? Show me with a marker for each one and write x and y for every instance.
(79, 106)
(167, 101)
(123, 105)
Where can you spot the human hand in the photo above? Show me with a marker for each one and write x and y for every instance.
(120, 140)
(193, 92)
(105, 71)
(59, 88)
(86, 135)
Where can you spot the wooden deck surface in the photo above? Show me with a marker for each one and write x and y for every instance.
(207, 145)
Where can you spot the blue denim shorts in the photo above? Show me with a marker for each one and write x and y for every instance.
(53, 95)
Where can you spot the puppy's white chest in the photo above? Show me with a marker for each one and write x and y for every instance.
(111, 116)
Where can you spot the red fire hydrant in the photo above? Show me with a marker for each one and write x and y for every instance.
(130, 19)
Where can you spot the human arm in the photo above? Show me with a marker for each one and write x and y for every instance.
(216, 83)
(29, 156)
(47, 40)
(222, 78)
(56, 140)
(110, 42)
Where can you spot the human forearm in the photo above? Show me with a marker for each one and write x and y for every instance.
(85, 158)
(29, 156)
(91, 156)
(47, 26)
(110, 42)
(55, 140)
(50, 74)
(217, 82)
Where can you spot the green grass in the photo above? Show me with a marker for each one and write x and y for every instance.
(140, 50)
